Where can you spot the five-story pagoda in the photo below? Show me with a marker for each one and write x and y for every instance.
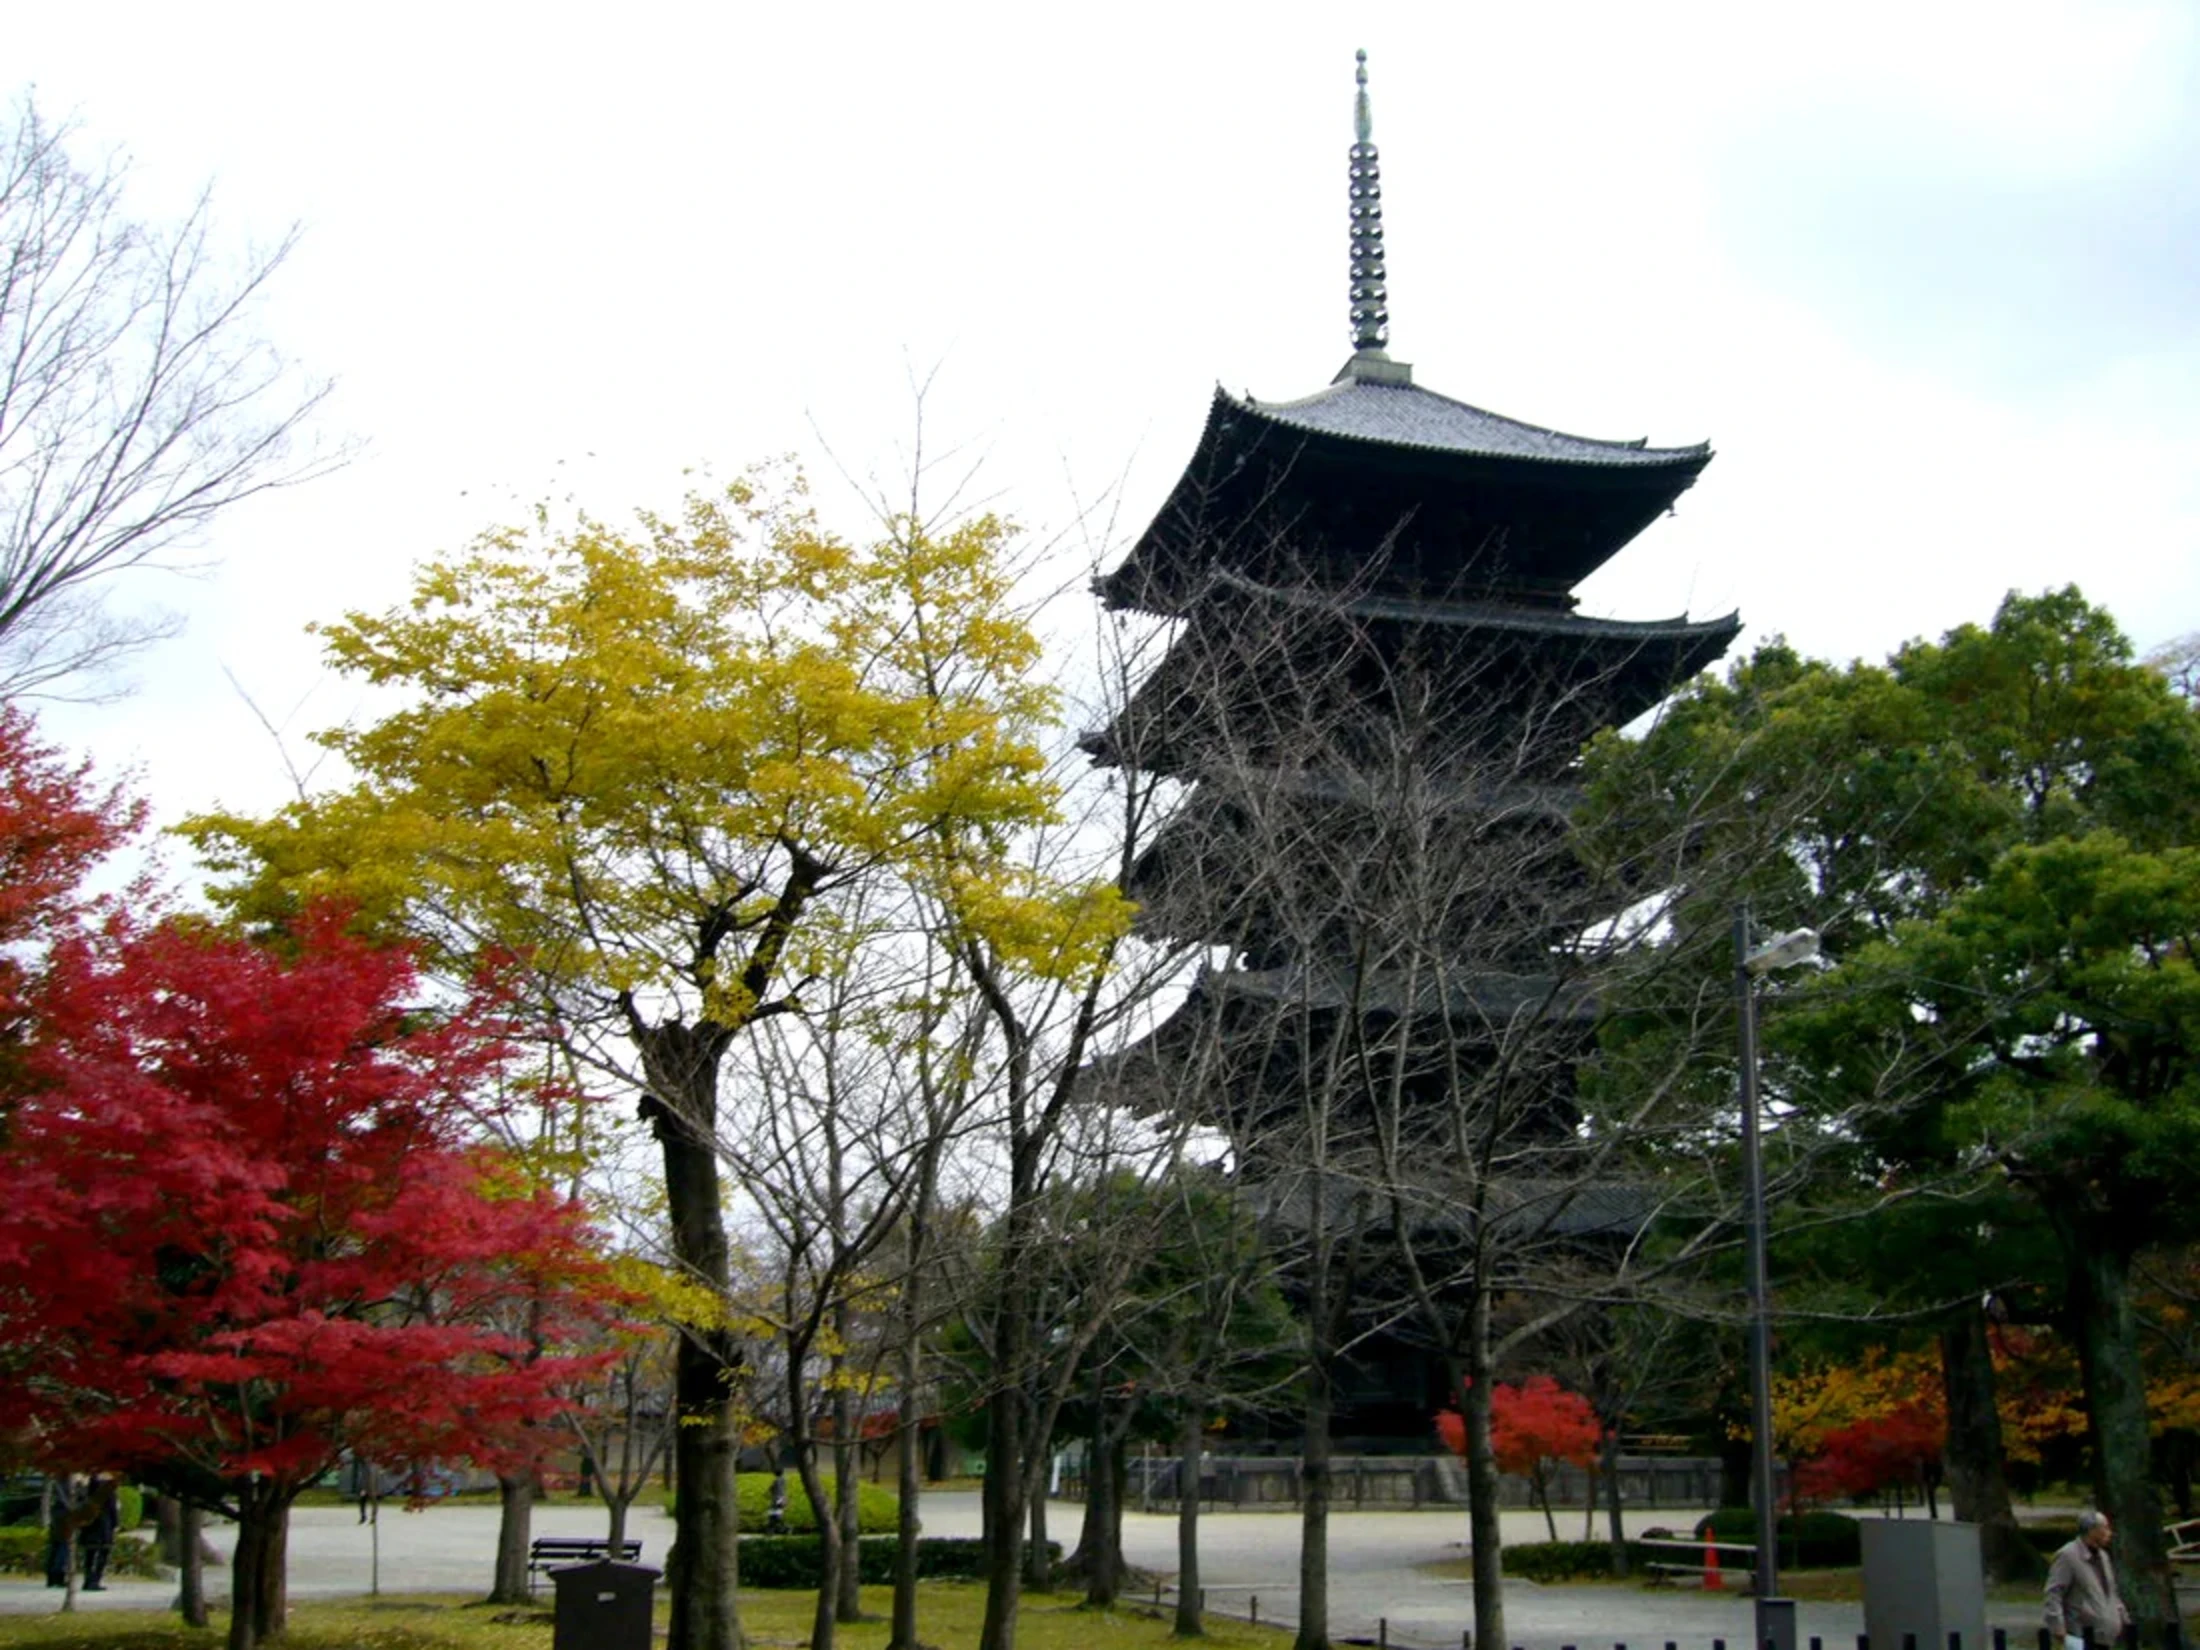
(1376, 687)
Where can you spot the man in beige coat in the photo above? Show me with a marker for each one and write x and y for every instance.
(2082, 1601)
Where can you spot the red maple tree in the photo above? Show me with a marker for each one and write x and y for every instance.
(247, 1224)
(1901, 1445)
(1533, 1427)
(55, 826)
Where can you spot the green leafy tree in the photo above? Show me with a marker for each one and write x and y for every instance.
(1870, 802)
(2063, 992)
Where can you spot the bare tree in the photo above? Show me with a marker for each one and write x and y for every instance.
(137, 401)
(623, 1423)
(1414, 969)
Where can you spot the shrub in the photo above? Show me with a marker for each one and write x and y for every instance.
(877, 1508)
(1565, 1560)
(793, 1560)
(1819, 1540)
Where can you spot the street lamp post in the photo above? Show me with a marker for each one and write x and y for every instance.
(1775, 1615)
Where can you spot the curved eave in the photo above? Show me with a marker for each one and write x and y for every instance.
(1485, 617)
(1405, 417)
(1253, 458)
(1460, 998)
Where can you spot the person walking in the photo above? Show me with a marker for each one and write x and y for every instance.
(102, 1517)
(2083, 1604)
(61, 1505)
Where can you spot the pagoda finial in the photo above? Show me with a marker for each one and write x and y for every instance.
(1370, 293)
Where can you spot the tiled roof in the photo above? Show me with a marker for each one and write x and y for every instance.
(1405, 415)
(1484, 616)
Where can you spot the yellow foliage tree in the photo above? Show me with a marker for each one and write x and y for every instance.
(649, 763)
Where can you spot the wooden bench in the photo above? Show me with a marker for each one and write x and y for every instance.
(1744, 1554)
(2183, 1538)
(553, 1552)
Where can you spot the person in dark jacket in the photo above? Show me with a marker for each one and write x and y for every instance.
(102, 1516)
(62, 1501)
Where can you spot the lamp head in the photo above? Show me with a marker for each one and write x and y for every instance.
(1798, 945)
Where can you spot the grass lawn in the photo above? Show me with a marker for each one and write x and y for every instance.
(948, 1616)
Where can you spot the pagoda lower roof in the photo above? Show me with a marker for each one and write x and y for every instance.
(1405, 415)
(1255, 659)
(1220, 784)
(1236, 1020)
(1456, 997)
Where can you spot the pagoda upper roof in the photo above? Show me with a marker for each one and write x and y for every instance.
(1406, 415)
(1376, 479)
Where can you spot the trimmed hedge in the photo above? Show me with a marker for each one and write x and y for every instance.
(1819, 1540)
(1566, 1560)
(795, 1561)
(878, 1509)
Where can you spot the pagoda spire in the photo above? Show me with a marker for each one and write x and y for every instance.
(1370, 294)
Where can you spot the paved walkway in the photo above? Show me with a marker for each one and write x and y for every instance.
(1380, 1570)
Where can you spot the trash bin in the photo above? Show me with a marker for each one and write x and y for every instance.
(603, 1606)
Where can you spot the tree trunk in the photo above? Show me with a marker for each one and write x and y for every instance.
(909, 1480)
(847, 1486)
(1485, 1538)
(247, 1558)
(191, 1564)
(703, 1570)
(258, 1586)
(1189, 1624)
(515, 1520)
(1004, 1481)
(824, 1617)
(617, 1506)
(1977, 1486)
(1038, 1562)
(2099, 1303)
(803, 1447)
(1103, 1541)
(909, 1413)
(1614, 1515)
(1314, 1481)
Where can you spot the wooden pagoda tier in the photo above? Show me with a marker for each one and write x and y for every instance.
(1235, 1053)
(1379, 486)
(1491, 861)
(1262, 673)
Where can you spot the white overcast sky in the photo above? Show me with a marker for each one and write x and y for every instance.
(1927, 275)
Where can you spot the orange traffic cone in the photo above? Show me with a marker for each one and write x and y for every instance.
(1712, 1583)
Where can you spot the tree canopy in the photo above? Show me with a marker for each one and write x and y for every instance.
(247, 1226)
(653, 765)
